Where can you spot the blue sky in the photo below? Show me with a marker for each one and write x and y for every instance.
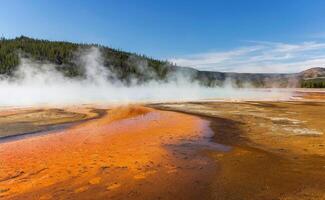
(229, 35)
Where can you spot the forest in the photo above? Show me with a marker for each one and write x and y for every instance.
(313, 83)
(128, 67)
(62, 54)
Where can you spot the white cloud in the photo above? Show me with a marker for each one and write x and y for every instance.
(261, 57)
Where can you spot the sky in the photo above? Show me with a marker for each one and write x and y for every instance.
(217, 35)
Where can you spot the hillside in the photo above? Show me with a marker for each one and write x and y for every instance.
(62, 54)
(129, 66)
(311, 73)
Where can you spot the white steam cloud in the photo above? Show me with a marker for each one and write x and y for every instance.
(38, 83)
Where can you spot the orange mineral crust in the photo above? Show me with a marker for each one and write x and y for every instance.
(131, 152)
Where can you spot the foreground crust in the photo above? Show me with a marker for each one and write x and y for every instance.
(259, 150)
(131, 152)
(278, 148)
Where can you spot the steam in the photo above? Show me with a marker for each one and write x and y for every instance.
(36, 83)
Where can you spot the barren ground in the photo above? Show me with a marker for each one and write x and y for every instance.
(194, 150)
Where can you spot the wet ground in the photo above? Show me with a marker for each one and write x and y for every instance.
(278, 148)
(131, 152)
(193, 150)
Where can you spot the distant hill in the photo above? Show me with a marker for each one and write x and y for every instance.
(129, 66)
(311, 73)
(313, 78)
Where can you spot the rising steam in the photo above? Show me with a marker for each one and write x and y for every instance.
(38, 83)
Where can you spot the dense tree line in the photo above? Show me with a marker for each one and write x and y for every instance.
(124, 65)
(130, 66)
(313, 83)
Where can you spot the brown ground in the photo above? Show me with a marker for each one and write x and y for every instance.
(279, 148)
(22, 121)
(311, 94)
(272, 150)
(134, 152)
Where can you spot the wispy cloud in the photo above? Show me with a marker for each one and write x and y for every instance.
(319, 35)
(259, 56)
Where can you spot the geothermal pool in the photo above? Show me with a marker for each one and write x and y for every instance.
(176, 150)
